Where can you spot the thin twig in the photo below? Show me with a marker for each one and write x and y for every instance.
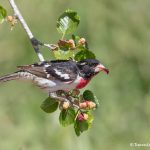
(36, 44)
(58, 96)
(51, 46)
(27, 30)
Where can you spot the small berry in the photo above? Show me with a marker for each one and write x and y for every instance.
(85, 116)
(65, 105)
(10, 18)
(91, 104)
(71, 43)
(80, 117)
(83, 105)
(82, 41)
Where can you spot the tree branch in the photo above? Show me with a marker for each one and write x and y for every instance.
(56, 96)
(34, 41)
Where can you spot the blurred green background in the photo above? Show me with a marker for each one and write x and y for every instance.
(118, 32)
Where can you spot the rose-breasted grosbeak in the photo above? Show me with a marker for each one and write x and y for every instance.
(56, 75)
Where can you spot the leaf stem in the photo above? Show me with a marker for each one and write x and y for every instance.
(63, 36)
(77, 113)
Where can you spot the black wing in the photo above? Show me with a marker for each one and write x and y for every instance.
(62, 70)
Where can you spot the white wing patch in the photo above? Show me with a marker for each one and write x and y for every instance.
(48, 75)
(65, 76)
(47, 65)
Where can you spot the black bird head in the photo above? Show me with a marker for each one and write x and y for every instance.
(90, 67)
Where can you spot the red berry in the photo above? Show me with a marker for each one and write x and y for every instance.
(80, 117)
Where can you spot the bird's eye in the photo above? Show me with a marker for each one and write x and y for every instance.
(95, 64)
(91, 64)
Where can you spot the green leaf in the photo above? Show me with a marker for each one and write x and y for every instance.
(68, 22)
(84, 54)
(90, 118)
(77, 129)
(61, 54)
(81, 126)
(88, 95)
(75, 38)
(67, 117)
(49, 105)
(3, 14)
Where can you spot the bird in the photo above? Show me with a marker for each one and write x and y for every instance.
(55, 75)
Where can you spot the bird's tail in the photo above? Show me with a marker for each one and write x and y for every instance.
(9, 77)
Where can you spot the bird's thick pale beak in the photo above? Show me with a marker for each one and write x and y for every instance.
(100, 67)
